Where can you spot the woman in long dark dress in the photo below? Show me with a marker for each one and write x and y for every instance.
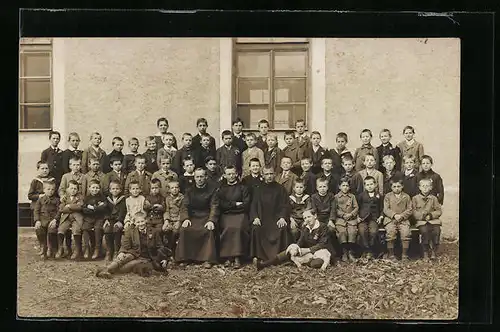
(162, 124)
(199, 213)
(234, 202)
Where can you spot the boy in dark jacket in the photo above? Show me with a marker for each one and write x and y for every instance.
(156, 207)
(183, 153)
(71, 152)
(117, 144)
(53, 157)
(129, 158)
(387, 149)
(45, 211)
(113, 224)
(94, 212)
(428, 173)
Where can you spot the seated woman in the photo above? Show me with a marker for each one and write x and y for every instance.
(198, 213)
(313, 247)
(141, 251)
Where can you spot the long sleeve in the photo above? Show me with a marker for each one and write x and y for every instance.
(177, 162)
(36, 211)
(224, 203)
(375, 154)
(33, 193)
(333, 210)
(283, 204)
(76, 206)
(161, 154)
(85, 161)
(420, 152)
(322, 240)
(254, 206)
(355, 211)
(184, 208)
(44, 156)
(260, 155)
(166, 214)
(63, 185)
(440, 189)
(246, 198)
(127, 183)
(214, 208)
(66, 155)
(436, 209)
(84, 185)
(129, 209)
(418, 214)
(408, 210)
(387, 207)
(380, 183)
(101, 209)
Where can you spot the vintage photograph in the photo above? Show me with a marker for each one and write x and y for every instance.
(239, 178)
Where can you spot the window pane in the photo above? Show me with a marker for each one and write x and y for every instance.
(35, 91)
(35, 64)
(289, 90)
(251, 115)
(290, 64)
(253, 64)
(35, 117)
(286, 115)
(254, 91)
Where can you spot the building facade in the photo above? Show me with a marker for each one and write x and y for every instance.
(121, 86)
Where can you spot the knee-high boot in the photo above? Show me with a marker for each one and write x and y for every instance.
(405, 244)
(278, 259)
(60, 243)
(86, 244)
(109, 245)
(77, 254)
(98, 243)
(52, 245)
(117, 243)
(69, 240)
(42, 240)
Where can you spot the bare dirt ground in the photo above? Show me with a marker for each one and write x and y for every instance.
(375, 290)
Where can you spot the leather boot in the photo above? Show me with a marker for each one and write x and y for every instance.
(110, 246)
(98, 244)
(237, 263)
(68, 252)
(107, 271)
(279, 258)
(60, 243)
(350, 254)
(432, 251)
(117, 243)
(86, 245)
(404, 255)
(390, 250)
(344, 257)
(42, 241)
(51, 253)
(77, 254)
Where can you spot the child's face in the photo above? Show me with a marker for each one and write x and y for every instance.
(254, 167)
(289, 139)
(369, 162)
(43, 170)
(425, 187)
(408, 134)
(75, 166)
(49, 190)
(315, 139)
(227, 139)
(134, 190)
(341, 143)
(165, 164)
(151, 145)
(74, 141)
(169, 141)
(326, 165)
(118, 146)
(116, 166)
(263, 129)
(237, 127)
(189, 166)
(94, 165)
(298, 189)
(344, 187)
(72, 190)
(114, 189)
(134, 146)
(96, 140)
(94, 189)
(385, 137)
(389, 164)
(205, 141)
(426, 164)
(271, 141)
(211, 165)
(305, 164)
(348, 165)
(230, 175)
(174, 188)
(140, 164)
(322, 188)
(187, 140)
(309, 218)
(163, 127)
(366, 138)
(202, 127)
(54, 140)
(409, 164)
(250, 141)
(397, 187)
(155, 189)
(370, 186)
(286, 164)
(300, 127)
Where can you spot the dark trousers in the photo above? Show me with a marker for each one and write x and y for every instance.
(430, 234)
(368, 232)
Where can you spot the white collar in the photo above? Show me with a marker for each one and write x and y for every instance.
(316, 225)
(315, 149)
(237, 135)
(410, 143)
(72, 149)
(295, 198)
(187, 174)
(408, 172)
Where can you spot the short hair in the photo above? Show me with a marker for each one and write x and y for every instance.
(187, 159)
(229, 167)
(268, 167)
(94, 133)
(344, 179)
(272, 135)
(201, 120)
(347, 157)
(321, 180)
(173, 182)
(326, 158)
(311, 211)
(366, 130)
(91, 159)
(409, 157)
(306, 158)
(255, 160)
(409, 127)
(385, 130)
(429, 180)
(286, 157)
(369, 154)
(263, 121)
(115, 182)
(394, 180)
(72, 182)
(368, 178)
(200, 169)
(165, 157)
(226, 133)
(133, 182)
(289, 133)
(73, 134)
(170, 134)
(161, 120)
(209, 159)
(133, 139)
(299, 121)
(156, 181)
(316, 133)
(75, 159)
(39, 163)
(139, 157)
(342, 135)
(53, 132)
(49, 183)
(429, 158)
(236, 121)
(388, 157)
(149, 139)
(251, 135)
(186, 135)
(116, 139)
(94, 181)
(205, 135)
(299, 182)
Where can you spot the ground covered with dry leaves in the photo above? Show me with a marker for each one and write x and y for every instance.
(376, 290)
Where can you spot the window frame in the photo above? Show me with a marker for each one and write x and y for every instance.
(35, 46)
(271, 48)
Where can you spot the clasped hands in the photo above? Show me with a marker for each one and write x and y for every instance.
(281, 222)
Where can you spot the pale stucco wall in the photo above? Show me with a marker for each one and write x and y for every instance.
(391, 83)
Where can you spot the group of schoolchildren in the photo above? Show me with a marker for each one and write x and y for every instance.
(88, 198)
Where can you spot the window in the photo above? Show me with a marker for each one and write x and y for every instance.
(271, 82)
(35, 84)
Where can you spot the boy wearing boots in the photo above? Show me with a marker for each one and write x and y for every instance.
(426, 211)
(136, 206)
(44, 213)
(94, 211)
(397, 211)
(171, 217)
(113, 224)
(346, 224)
(156, 207)
(70, 218)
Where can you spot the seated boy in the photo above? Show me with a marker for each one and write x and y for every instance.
(136, 206)
(45, 211)
(286, 178)
(94, 173)
(426, 211)
(323, 204)
(186, 180)
(113, 224)
(75, 175)
(346, 224)
(94, 211)
(299, 202)
(164, 175)
(370, 216)
(307, 176)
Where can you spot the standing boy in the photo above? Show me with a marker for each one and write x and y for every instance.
(93, 151)
(94, 173)
(116, 174)
(316, 152)
(129, 159)
(324, 205)
(75, 175)
(140, 175)
(390, 172)
(254, 179)
(263, 133)
(366, 148)
(238, 136)
(286, 178)
(307, 176)
(202, 125)
(116, 153)
(302, 139)
(331, 178)
(251, 152)
(346, 224)
(164, 175)
(203, 150)
(36, 190)
(370, 216)
(355, 180)
(71, 152)
(171, 217)
(273, 154)
(341, 148)
(369, 170)
(186, 179)
(44, 212)
(183, 153)
(386, 149)
(53, 156)
(293, 151)
(229, 154)
(150, 154)
(299, 202)
(167, 150)
(427, 173)
(410, 185)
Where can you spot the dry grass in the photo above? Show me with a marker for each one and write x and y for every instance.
(377, 290)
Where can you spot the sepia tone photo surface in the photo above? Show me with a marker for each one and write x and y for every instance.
(81, 89)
